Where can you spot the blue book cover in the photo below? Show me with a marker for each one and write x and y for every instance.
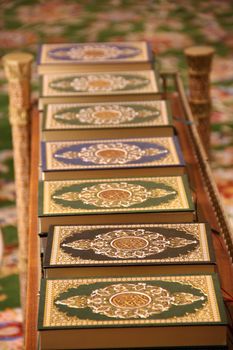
(111, 154)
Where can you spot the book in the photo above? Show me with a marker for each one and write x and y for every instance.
(131, 312)
(79, 121)
(99, 87)
(112, 157)
(121, 250)
(125, 200)
(93, 57)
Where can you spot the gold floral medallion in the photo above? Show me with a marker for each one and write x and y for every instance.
(118, 153)
(103, 115)
(115, 194)
(103, 82)
(129, 243)
(100, 115)
(130, 300)
(93, 53)
(112, 153)
(99, 83)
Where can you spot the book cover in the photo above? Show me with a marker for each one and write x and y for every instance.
(150, 309)
(128, 245)
(168, 197)
(107, 84)
(94, 53)
(118, 194)
(151, 154)
(107, 115)
(99, 120)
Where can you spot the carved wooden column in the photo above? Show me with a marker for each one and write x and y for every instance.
(17, 68)
(199, 60)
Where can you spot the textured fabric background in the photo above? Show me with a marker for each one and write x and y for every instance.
(170, 26)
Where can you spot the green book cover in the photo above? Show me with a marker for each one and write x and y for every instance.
(153, 310)
(106, 115)
(116, 195)
(94, 84)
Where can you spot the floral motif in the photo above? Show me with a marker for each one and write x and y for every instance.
(10, 331)
(130, 300)
(128, 243)
(99, 83)
(95, 83)
(49, 12)
(10, 39)
(94, 52)
(114, 114)
(105, 115)
(114, 195)
(110, 153)
(115, 153)
(163, 41)
(118, 195)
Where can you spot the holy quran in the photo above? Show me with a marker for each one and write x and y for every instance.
(99, 87)
(126, 259)
(150, 199)
(82, 121)
(131, 312)
(126, 249)
(93, 57)
(112, 157)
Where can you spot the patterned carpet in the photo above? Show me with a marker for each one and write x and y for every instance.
(170, 26)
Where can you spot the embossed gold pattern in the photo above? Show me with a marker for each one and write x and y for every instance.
(92, 52)
(162, 152)
(99, 83)
(128, 243)
(130, 300)
(96, 52)
(96, 84)
(53, 316)
(105, 115)
(101, 115)
(89, 195)
(61, 233)
(118, 194)
(111, 153)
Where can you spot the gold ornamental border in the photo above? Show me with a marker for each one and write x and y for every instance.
(51, 123)
(179, 203)
(168, 142)
(52, 317)
(152, 86)
(142, 57)
(201, 253)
